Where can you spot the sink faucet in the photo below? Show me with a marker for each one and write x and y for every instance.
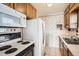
(75, 37)
(72, 37)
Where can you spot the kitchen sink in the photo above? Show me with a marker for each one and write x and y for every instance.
(72, 41)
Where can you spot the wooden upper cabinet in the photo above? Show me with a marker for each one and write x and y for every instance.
(25, 8)
(21, 7)
(29, 11)
(70, 11)
(34, 13)
(71, 5)
(68, 20)
(74, 6)
(67, 9)
(9, 5)
(67, 17)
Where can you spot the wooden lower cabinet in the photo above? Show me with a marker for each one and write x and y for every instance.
(63, 49)
(65, 52)
(69, 53)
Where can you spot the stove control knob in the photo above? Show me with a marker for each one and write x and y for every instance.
(11, 30)
(14, 29)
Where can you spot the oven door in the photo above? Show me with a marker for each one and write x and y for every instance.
(30, 53)
(27, 52)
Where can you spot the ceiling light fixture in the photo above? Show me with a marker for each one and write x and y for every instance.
(49, 4)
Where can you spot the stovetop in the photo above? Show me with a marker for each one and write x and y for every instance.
(14, 48)
(27, 42)
(11, 50)
(5, 47)
(19, 41)
(23, 43)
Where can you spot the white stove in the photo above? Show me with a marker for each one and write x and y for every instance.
(11, 42)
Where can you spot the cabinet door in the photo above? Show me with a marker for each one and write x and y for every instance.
(71, 5)
(78, 19)
(65, 50)
(29, 11)
(21, 7)
(34, 13)
(69, 53)
(64, 21)
(61, 47)
(59, 42)
(67, 17)
(9, 5)
(65, 53)
(67, 20)
(74, 6)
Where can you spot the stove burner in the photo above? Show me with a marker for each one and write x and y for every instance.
(19, 41)
(25, 42)
(5, 47)
(11, 50)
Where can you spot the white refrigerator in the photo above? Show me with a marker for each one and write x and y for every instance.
(35, 31)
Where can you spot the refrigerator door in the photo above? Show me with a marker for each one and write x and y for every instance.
(44, 39)
(34, 31)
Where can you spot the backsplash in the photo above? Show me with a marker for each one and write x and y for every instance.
(65, 32)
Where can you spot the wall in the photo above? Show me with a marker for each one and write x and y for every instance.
(51, 29)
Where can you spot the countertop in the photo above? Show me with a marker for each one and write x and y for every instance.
(16, 45)
(74, 49)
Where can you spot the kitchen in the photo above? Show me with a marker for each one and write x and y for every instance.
(39, 29)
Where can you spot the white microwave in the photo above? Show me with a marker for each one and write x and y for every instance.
(11, 18)
(8, 20)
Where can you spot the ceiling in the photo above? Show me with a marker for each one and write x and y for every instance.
(44, 10)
